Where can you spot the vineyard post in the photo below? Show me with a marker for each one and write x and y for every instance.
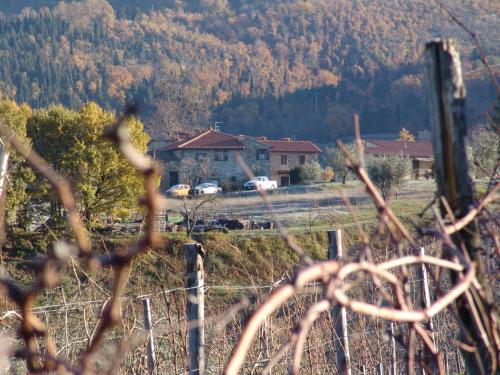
(380, 369)
(195, 307)
(148, 327)
(427, 295)
(339, 314)
(266, 342)
(394, 370)
(449, 129)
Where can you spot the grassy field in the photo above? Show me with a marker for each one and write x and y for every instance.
(325, 206)
(237, 255)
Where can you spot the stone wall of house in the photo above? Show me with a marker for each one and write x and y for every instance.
(249, 155)
(223, 172)
(228, 172)
(279, 170)
(420, 167)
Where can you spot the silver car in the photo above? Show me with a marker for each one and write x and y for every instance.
(206, 189)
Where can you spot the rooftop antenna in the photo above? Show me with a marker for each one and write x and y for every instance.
(216, 126)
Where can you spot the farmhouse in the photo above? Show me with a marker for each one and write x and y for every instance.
(287, 155)
(420, 153)
(217, 152)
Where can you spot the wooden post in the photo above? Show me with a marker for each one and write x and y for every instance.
(394, 370)
(380, 369)
(195, 307)
(267, 349)
(427, 296)
(363, 369)
(339, 315)
(148, 327)
(449, 129)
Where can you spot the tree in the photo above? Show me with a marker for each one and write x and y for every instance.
(103, 181)
(193, 172)
(327, 174)
(485, 150)
(405, 135)
(106, 182)
(335, 158)
(192, 208)
(15, 175)
(312, 171)
(388, 172)
(297, 176)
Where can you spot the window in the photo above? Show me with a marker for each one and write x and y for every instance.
(302, 159)
(221, 155)
(262, 154)
(200, 156)
(284, 160)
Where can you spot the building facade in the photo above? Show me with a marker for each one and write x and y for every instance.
(213, 156)
(287, 155)
(419, 152)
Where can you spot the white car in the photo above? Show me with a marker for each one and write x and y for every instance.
(206, 189)
(260, 183)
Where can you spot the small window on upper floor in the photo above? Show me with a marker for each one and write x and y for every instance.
(262, 154)
(200, 156)
(302, 159)
(221, 155)
(284, 159)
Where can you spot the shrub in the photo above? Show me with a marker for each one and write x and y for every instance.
(327, 174)
(388, 172)
(231, 185)
(297, 176)
(312, 171)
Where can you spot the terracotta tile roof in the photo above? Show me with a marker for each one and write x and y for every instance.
(210, 139)
(287, 145)
(421, 149)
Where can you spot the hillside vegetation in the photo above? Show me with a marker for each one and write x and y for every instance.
(276, 68)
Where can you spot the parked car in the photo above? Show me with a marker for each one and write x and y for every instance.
(260, 183)
(178, 191)
(205, 189)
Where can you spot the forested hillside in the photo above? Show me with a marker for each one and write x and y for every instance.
(277, 68)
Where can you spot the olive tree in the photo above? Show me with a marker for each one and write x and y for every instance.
(485, 149)
(388, 172)
(335, 158)
(312, 171)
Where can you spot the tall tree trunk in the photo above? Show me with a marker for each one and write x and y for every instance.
(4, 159)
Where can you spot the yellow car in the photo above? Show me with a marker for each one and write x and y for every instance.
(178, 191)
